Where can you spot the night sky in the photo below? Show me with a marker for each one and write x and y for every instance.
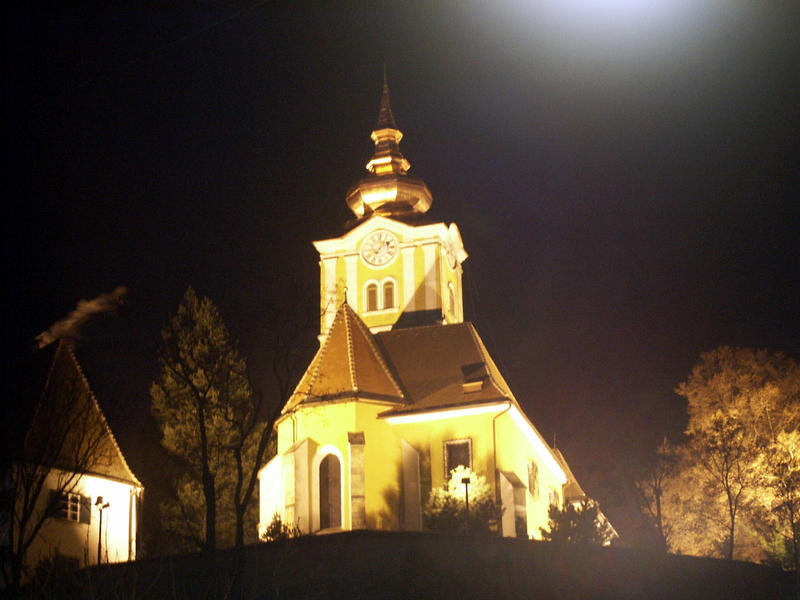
(625, 176)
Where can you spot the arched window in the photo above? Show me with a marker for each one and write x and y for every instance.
(372, 297)
(330, 493)
(388, 294)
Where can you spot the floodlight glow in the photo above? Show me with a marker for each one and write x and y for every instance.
(596, 30)
(446, 414)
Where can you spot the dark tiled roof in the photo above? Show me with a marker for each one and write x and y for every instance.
(441, 366)
(347, 365)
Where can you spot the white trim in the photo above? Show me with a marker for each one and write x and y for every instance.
(452, 309)
(430, 281)
(409, 276)
(519, 419)
(348, 242)
(351, 270)
(395, 303)
(328, 277)
(536, 441)
(377, 285)
(380, 299)
(322, 452)
(447, 413)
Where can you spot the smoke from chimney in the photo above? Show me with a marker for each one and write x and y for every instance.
(71, 324)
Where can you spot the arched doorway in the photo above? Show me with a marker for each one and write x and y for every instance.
(330, 492)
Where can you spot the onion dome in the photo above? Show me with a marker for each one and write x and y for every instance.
(388, 190)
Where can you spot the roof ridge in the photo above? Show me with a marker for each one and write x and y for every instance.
(488, 361)
(377, 353)
(351, 362)
(316, 361)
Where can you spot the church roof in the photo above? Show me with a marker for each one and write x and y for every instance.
(347, 365)
(67, 423)
(416, 369)
(442, 366)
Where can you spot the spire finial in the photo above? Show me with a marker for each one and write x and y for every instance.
(385, 116)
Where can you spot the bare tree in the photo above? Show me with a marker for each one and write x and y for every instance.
(65, 439)
(652, 489)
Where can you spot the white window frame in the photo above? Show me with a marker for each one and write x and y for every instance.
(381, 299)
(344, 486)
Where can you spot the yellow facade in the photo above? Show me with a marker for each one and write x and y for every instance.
(424, 273)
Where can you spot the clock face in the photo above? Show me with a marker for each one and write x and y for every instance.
(379, 248)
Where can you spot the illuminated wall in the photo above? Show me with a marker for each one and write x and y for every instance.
(502, 442)
(422, 263)
(72, 539)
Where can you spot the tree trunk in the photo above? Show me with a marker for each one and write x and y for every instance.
(733, 527)
(208, 486)
(239, 540)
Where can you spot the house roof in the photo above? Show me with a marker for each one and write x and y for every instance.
(347, 365)
(64, 417)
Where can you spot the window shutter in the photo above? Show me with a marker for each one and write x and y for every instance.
(86, 510)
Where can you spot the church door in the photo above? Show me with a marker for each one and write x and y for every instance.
(330, 492)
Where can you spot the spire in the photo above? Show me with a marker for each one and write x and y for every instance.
(389, 191)
(385, 116)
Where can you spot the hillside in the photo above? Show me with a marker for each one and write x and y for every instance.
(388, 565)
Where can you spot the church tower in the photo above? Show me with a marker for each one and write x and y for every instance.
(394, 268)
(402, 395)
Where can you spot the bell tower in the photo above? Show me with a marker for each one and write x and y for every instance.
(393, 267)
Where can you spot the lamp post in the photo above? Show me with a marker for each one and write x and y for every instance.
(465, 481)
(100, 506)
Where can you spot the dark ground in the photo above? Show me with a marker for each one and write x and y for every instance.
(417, 565)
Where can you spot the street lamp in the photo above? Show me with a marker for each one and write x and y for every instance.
(465, 481)
(100, 506)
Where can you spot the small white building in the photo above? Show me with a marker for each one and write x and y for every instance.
(77, 500)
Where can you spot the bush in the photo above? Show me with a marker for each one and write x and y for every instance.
(277, 530)
(446, 508)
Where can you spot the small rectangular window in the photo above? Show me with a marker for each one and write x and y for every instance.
(71, 507)
(457, 453)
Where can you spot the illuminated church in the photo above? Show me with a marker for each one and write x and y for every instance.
(402, 390)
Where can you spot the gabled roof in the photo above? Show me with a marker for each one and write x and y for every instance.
(348, 365)
(67, 418)
(442, 366)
